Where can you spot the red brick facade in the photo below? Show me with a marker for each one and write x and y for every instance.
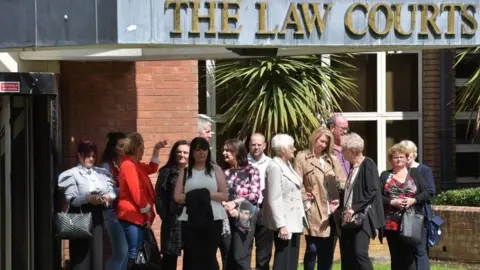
(159, 99)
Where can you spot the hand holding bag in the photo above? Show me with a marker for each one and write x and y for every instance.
(148, 256)
(411, 228)
(72, 226)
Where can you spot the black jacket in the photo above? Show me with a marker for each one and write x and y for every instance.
(199, 207)
(422, 196)
(366, 191)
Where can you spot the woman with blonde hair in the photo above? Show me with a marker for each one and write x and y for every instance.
(322, 175)
(403, 189)
(421, 253)
(137, 196)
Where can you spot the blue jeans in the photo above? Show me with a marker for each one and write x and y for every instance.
(134, 235)
(118, 241)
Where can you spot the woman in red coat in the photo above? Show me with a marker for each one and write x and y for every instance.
(137, 196)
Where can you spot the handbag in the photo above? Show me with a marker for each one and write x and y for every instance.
(72, 226)
(411, 227)
(148, 255)
(358, 218)
(434, 226)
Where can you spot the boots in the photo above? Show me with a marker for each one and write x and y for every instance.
(131, 264)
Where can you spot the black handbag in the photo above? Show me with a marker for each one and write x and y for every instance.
(72, 226)
(358, 218)
(411, 227)
(148, 256)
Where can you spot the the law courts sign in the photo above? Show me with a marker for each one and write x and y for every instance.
(303, 23)
(242, 23)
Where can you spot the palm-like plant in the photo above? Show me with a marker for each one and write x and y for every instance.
(283, 94)
(468, 97)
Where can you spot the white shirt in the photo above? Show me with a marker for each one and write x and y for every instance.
(261, 165)
(347, 197)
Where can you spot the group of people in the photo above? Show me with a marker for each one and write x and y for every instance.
(253, 198)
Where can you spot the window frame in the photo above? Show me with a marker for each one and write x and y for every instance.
(381, 116)
(463, 147)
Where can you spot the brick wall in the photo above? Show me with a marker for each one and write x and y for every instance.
(159, 99)
(431, 112)
(460, 238)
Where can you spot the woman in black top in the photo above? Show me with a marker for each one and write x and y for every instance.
(403, 188)
(171, 237)
(362, 195)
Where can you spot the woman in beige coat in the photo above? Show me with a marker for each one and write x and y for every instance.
(322, 177)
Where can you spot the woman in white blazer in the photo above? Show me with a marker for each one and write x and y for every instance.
(283, 206)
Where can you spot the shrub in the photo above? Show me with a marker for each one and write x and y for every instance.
(458, 197)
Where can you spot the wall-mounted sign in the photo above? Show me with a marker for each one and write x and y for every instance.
(300, 23)
(9, 87)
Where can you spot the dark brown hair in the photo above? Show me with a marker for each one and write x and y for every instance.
(86, 147)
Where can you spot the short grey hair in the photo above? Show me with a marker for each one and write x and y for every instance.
(280, 142)
(353, 142)
(203, 120)
(332, 121)
(411, 146)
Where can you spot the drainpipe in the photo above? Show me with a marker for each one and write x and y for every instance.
(447, 173)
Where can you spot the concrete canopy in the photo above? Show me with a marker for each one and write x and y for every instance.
(178, 29)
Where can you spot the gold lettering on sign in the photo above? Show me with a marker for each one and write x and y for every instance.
(450, 8)
(372, 23)
(177, 5)
(467, 14)
(227, 17)
(348, 18)
(292, 18)
(316, 19)
(262, 20)
(210, 17)
(398, 19)
(429, 23)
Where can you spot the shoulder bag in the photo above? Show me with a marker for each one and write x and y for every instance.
(358, 218)
(72, 226)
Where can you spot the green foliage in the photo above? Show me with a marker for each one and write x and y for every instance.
(283, 94)
(459, 197)
(467, 98)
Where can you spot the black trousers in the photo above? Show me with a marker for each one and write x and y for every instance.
(200, 246)
(286, 252)
(240, 251)
(402, 255)
(87, 254)
(263, 244)
(354, 245)
(225, 243)
(169, 262)
(320, 250)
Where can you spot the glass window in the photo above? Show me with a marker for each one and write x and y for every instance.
(368, 131)
(402, 82)
(468, 164)
(398, 131)
(465, 134)
(366, 80)
(467, 66)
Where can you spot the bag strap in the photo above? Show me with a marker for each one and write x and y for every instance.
(349, 186)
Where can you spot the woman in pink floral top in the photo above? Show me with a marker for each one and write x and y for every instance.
(243, 182)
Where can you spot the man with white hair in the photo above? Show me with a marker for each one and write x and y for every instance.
(205, 127)
(263, 236)
(338, 125)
